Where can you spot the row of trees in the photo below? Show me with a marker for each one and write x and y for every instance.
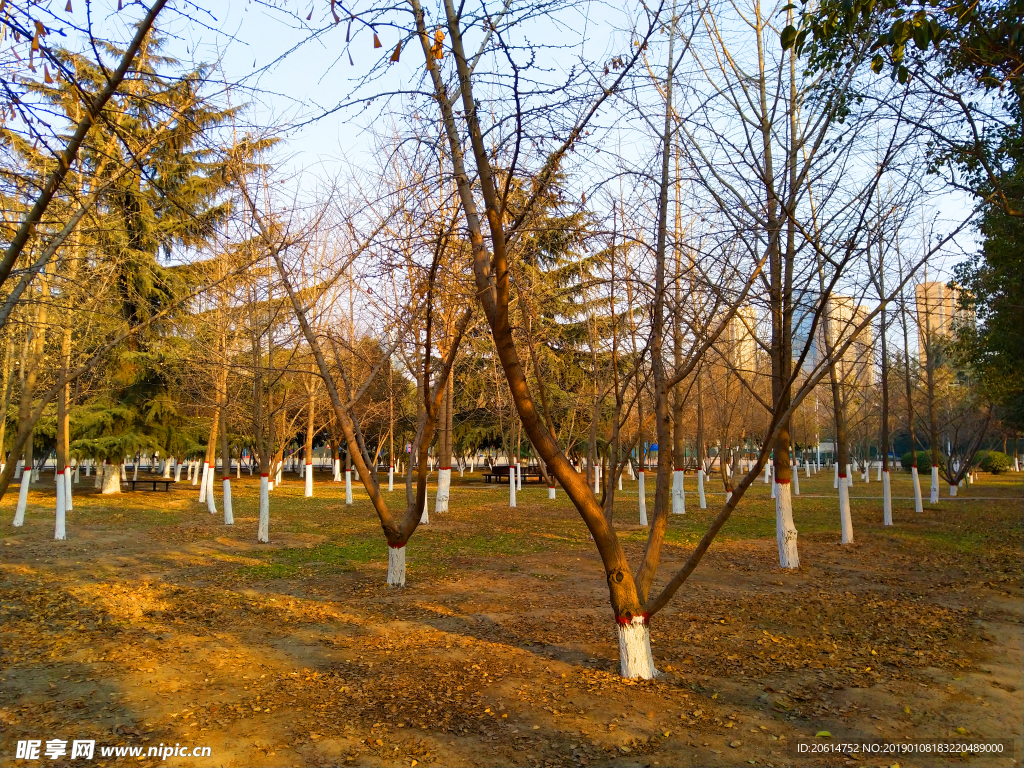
(500, 277)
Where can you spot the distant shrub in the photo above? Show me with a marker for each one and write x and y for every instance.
(995, 462)
(924, 459)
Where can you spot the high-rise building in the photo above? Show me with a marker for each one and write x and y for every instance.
(938, 308)
(738, 342)
(856, 365)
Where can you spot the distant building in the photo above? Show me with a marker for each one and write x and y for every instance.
(738, 342)
(856, 365)
(938, 309)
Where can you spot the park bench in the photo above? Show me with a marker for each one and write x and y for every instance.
(154, 480)
(500, 473)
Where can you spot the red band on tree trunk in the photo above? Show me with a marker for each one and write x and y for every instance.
(625, 622)
(444, 468)
(785, 482)
(842, 476)
(397, 546)
(264, 475)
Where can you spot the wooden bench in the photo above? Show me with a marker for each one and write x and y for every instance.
(500, 473)
(153, 480)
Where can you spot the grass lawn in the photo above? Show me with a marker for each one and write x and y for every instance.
(156, 624)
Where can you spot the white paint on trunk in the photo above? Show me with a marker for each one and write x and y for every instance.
(918, 503)
(26, 483)
(391, 477)
(204, 484)
(68, 504)
(952, 490)
(629, 466)
(835, 476)
(635, 659)
(425, 514)
(678, 493)
(88, 468)
(302, 471)
(701, 498)
(348, 487)
(620, 481)
(774, 493)
(849, 475)
(935, 485)
(807, 468)
(135, 470)
(728, 496)
(98, 482)
(879, 476)
(396, 566)
(168, 466)
(551, 491)
(519, 476)
(58, 530)
(263, 530)
(511, 488)
(78, 471)
(309, 480)
(177, 473)
(785, 529)
(886, 499)
(845, 521)
(444, 483)
(642, 493)
(796, 479)
(767, 469)
(211, 505)
(229, 512)
(111, 479)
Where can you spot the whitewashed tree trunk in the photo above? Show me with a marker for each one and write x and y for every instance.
(519, 476)
(111, 478)
(785, 529)
(88, 468)
(58, 530)
(444, 482)
(204, 483)
(168, 466)
(302, 471)
(635, 659)
(337, 470)
(98, 482)
(678, 493)
(886, 499)
(511, 487)
(835, 476)
(879, 474)
(807, 469)
(177, 473)
(642, 495)
(78, 471)
(68, 503)
(629, 466)
(935, 485)
(425, 514)
(211, 505)
(952, 490)
(229, 513)
(135, 470)
(263, 530)
(845, 520)
(391, 477)
(620, 481)
(396, 565)
(849, 475)
(348, 487)
(597, 479)
(26, 483)
(918, 502)
(795, 469)
(309, 480)
(767, 470)
(551, 492)
(701, 498)
(280, 473)
(775, 493)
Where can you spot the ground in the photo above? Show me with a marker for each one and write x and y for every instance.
(156, 624)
